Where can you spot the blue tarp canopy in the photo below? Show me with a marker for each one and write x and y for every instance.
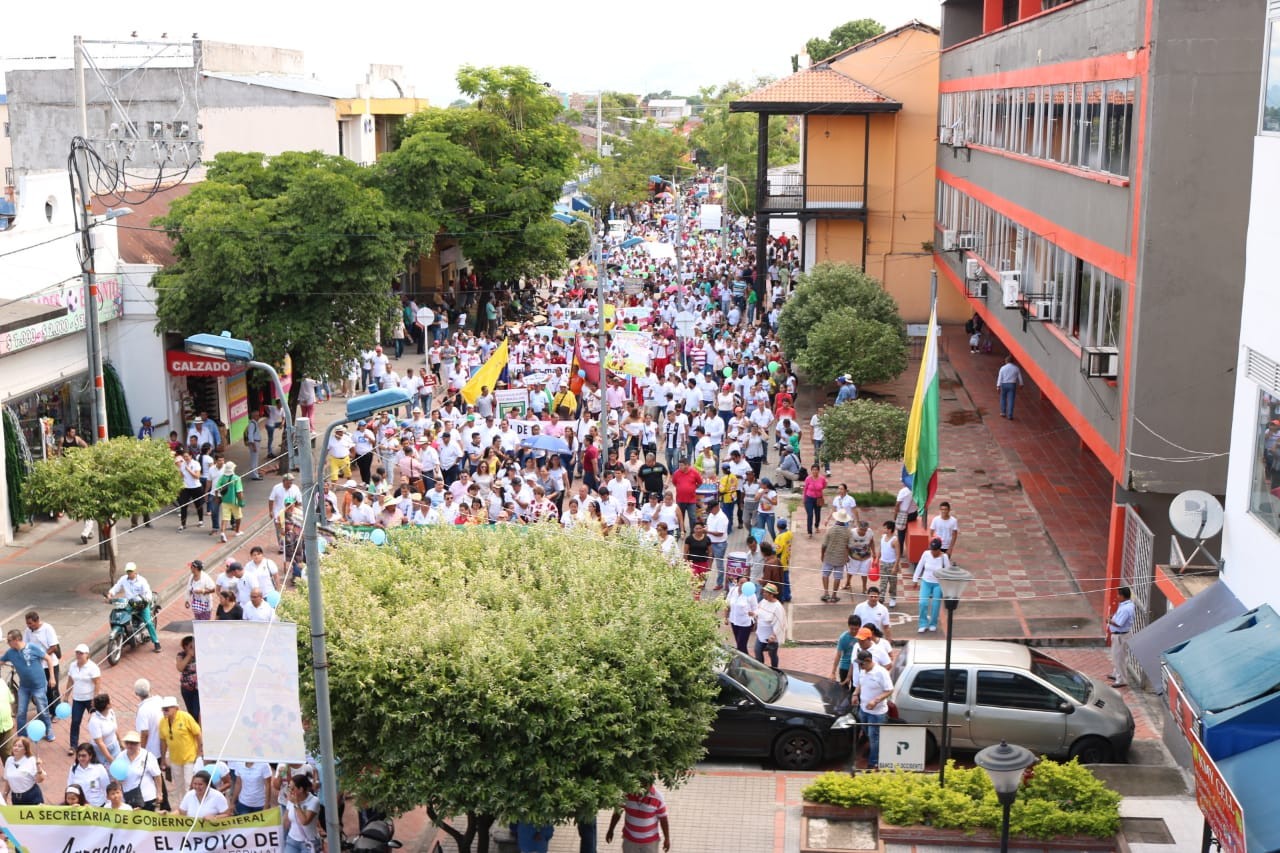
(631, 241)
(1231, 673)
(1251, 775)
(563, 217)
(1204, 610)
(580, 203)
(561, 207)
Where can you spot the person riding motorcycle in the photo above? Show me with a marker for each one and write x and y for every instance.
(135, 589)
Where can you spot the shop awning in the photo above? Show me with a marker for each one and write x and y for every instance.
(1231, 676)
(1197, 614)
(580, 203)
(1247, 774)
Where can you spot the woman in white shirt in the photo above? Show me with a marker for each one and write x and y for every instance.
(84, 679)
(845, 501)
(23, 773)
(203, 800)
(102, 729)
(889, 563)
(91, 776)
(738, 616)
(301, 807)
(199, 588)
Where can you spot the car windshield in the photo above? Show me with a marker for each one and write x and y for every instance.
(1063, 677)
(762, 682)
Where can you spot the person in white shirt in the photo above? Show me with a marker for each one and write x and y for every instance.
(133, 587)
(147, 719)
(1008, 378)
(140, 786)
(233, 580)
(817, 435)
(257, 609)
(1119, 626)
(84, 679)
(718, 533)
(261, 571)
(871, 611)
(203, 800)
(283, 495)
(253, 787)
(874, 686)
(930, 592)
(771, 625)
(944, 526)
(42, 634)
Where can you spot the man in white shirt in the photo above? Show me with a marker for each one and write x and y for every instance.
(944, 526)
(257, 609)
(233, 579)
(339, 454)
(450, 457)
(148, 717)
(874, 686)
(718, 533)
(133, 587)
(361, 512)
(261, 571)
(379, 365)
(283, 495)
(817, 435)
(872, 611)
(41, 633)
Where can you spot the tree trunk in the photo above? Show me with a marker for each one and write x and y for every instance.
(485, 823)
(461, 839)
(106, 536)
(871, 476)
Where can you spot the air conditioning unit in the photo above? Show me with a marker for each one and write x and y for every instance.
(973, 269)
(976, 288)
(958, 137)
(1041, 309)
(949, 240)
(944, 135)
(967, 241)
(1011, 288)
(1101, 362)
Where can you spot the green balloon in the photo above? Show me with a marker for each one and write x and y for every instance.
(773, 367)
(728, 372)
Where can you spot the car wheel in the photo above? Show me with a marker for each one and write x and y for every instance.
(931, 749)
(797, 749)
(1092, 750)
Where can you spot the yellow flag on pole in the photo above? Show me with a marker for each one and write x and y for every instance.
(488, 374)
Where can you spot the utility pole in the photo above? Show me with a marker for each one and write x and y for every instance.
(601, 347)
(319, 654)
(599, 124)
(724, 209)
(84, 223)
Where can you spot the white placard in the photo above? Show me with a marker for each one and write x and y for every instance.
(710, 217)
(249, 690)
(902, 747)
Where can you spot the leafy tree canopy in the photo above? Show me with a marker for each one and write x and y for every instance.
(825, 289)
(511, 673)
(650, 150)
(846, 35)
(105, 481)
(291, 252)
(731, 138)
(512, 157)
(845, 342)
(863, 431)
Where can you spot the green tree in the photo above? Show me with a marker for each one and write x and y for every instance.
(514, 156)
(825, 289)
(577, 237)
(292, 252)
(845, 342)
(106, 482)
(731, 138)
(511, 673)
(650, 150)
(863, 431)
(846, 35)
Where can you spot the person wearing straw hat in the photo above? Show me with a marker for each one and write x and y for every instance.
(771, 625)
(140, 786)
(835, 553)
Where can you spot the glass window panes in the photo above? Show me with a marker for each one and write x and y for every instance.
(1271, 81)
(1264, 493)
(1087, 125)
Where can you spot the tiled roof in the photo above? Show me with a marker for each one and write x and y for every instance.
(817, 89)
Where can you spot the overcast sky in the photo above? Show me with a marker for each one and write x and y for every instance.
(574, 45)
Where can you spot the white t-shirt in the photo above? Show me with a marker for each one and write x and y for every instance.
(906, 500)
(20, 773)
(93, 780)
(718, 527)
(871, 684)
(82, 680)
(299, 831)
(211, 805)
(44, 637)
(148, 720)
(879, 615)
(253, 782)
(103, 728)
(143, 772)
(945, 529)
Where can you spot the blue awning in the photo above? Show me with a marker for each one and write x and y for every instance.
(580, 203)
(565, 218)
(631, 241)
(1247, 773)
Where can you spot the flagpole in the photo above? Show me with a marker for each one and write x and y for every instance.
(933, 314)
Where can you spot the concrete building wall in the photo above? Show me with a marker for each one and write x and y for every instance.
(6, 147)
(1251, 540)
(1072, 33)
(249, 58)
(1202, 117)
(269, 129)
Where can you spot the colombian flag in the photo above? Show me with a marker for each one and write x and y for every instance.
(488, 374)
(920, 454)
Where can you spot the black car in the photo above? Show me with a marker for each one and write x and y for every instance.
(788, 716)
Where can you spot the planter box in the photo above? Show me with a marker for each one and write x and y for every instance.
(833, 829)
(983, 839)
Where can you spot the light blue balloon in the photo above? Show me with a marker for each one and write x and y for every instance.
(748, 588)
(273, 598)
(215, 775)
(36, 730)
(321, 546)
(120, 768)
(63, 711)
(378, 536)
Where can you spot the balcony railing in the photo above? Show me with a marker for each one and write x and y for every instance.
(790, 192)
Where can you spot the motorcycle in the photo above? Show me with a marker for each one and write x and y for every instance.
(127, 625)
(377, 836)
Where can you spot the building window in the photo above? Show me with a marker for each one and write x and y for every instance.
(1271, 80)
(1086, 125)
(1264, 493)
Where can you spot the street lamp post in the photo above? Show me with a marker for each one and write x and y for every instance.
(1005, 764)
(953, 581)
(241, 352)
(358, 408)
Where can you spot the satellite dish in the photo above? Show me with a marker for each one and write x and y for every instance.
(1196, 515)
